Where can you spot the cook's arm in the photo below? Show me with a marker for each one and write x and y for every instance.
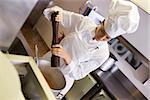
(68, 19)
(78, 71)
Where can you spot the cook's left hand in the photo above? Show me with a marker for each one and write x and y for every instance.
(48, 11)
(59, 51)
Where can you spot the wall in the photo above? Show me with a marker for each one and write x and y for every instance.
(71, 5)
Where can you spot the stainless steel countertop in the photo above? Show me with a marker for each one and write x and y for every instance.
(13, 14)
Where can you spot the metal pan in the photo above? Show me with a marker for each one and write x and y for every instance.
(53, 76)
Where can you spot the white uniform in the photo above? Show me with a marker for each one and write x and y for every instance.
(86, 54)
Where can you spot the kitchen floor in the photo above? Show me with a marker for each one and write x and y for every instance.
(78, 91)
(81, 87)
(101, 96)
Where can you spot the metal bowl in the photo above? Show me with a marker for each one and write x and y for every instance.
(53, 76)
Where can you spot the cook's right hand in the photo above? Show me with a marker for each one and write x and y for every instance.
(59, 51)
(48, 11)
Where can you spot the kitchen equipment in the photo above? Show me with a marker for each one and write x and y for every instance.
(53, 76)
(9, 88)
(13, 82)
(12, 17)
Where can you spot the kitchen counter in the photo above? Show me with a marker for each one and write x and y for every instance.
(33, 72)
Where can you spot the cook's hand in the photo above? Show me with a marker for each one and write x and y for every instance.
(60, 34)
(59, 17)
(59, 51)
(48, 11)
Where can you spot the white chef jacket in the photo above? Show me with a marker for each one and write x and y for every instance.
(86, 54)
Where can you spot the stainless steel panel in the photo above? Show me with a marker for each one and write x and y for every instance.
(13, 14)
(119, 85)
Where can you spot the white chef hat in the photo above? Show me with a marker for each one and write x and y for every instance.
(123, 18)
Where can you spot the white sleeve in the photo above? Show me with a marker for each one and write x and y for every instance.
(74, 22)
(79, 71)
(48, 11)
(69, 19)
